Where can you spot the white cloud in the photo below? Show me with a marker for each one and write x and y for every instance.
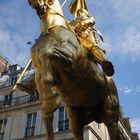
(135, 125)
(14, 47)
(124, 10)
(127, 45)
(129, 90)
(119, 21)
(128, 10)
(16, 28)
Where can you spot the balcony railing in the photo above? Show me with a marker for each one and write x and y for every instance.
(1, 136)
(63, 125)
(18, 101)
(29, 131)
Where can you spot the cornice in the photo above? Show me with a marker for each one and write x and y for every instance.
(20, 107)
(43, 135)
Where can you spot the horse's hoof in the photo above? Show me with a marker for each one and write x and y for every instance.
(108, 68)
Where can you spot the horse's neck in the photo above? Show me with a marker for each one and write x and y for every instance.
(52, 17)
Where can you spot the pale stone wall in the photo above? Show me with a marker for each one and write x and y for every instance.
(101, 131)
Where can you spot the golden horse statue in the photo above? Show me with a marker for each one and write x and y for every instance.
(64, 72)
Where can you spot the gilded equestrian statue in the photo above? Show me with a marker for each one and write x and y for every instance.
(64, 72)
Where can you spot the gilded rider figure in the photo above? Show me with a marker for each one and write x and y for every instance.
(86, 34)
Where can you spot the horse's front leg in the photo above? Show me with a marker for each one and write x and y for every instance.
(47, 112)
(50, 97)
(47, 116)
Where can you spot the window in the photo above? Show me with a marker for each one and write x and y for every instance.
(13, 68)
(7, 100)
(13, 80)
(2, 128)
(30, 126)
(63, 120)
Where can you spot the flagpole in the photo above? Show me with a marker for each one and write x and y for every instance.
(21, 76)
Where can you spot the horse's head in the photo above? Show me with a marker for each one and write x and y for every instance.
(40, 5)
(50, 12)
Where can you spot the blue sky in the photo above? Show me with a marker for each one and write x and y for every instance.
(118, 21)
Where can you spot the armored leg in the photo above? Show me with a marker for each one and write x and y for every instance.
(113, 131)
(48, 120)
(100, 57)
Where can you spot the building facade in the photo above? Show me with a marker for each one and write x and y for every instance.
(4, 63)
(20, 114)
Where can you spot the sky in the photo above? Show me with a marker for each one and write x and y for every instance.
(117, 20)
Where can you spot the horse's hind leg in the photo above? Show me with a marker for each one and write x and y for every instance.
(75, 121)
(110, 112)
(113, 131)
